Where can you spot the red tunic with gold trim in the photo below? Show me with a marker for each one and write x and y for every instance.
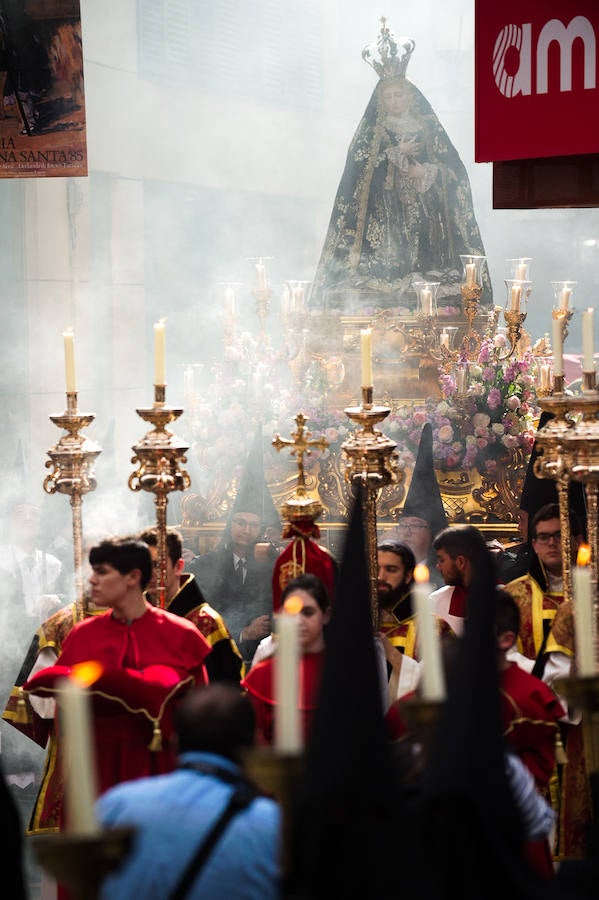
(530, 714)
(146, 665)
(49, 636)
(225, 662)
(259, 683)
(400, 626)
(537, 611)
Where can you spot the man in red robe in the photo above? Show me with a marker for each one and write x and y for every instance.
(148, 658)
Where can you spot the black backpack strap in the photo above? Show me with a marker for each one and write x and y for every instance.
(241, 797)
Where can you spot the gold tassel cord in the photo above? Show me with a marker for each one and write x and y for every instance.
(156, 743)
(21, 716)
(560, 753)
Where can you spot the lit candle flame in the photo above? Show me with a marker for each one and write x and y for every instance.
(293, 604)
(85, 673)
(421, 574)
(583, 556)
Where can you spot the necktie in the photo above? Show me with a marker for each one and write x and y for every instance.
(240, 570)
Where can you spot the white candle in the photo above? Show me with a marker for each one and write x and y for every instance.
(558, 347)
(444, 339)
(433, 678)
(460, 379)
(583, 614)
(564, 298)
(366, 349)
(261, 273)
(78, 759)
(285, 301)
(470, 274)
(545, 378)
(515, 296)
(588, 351)
(288, 732)
(230, 309)
(69, 360)
(426, 302)
(159, 353)
(521, 271)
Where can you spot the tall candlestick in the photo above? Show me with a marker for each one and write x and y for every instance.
(159, 353)
(366, 349)
(79, 759)
(515, 296)
(261, 274)
(521, 271)
(470, 274)
(558, 346)
(69, 360)
(564, 298)
(433, 678)
(461, 377)
(588, 350)
(583, 614)
(288, 732)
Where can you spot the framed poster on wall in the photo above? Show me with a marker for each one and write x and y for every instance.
(42, 101)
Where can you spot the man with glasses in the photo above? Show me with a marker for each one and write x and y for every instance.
(423, 514)
(540, 592)
(236, 577)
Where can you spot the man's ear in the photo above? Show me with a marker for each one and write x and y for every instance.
(179, 565)
(134, 577)
(409, 577)
(506, 640)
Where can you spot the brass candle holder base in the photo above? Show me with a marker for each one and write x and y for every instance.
(81, 862)
(71, 462)
(421, 717)
(278, 775)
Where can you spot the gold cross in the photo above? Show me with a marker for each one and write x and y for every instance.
(301, 446)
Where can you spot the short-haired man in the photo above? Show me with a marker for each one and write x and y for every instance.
(184, 598)
(215, 727)
(398, 627)
(540, 592)
(457, 548)
(147, 656)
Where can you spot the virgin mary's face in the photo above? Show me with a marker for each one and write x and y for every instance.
(395, 98)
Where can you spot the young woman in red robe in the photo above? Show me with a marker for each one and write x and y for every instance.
(314, 614)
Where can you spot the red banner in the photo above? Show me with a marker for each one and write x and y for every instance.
(536, 78)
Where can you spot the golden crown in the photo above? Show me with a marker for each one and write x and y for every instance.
(390, 56)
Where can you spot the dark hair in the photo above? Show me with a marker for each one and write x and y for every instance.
(461, 540)
(216, 718)
(174, 542)
(124, 555)
(310, 583)
(551, 511)
(402, 550)
(507, 613)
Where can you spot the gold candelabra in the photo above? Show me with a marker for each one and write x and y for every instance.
(160, 455)
(370, 463)
(439, 340)
(72, 460)
(569, 450)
